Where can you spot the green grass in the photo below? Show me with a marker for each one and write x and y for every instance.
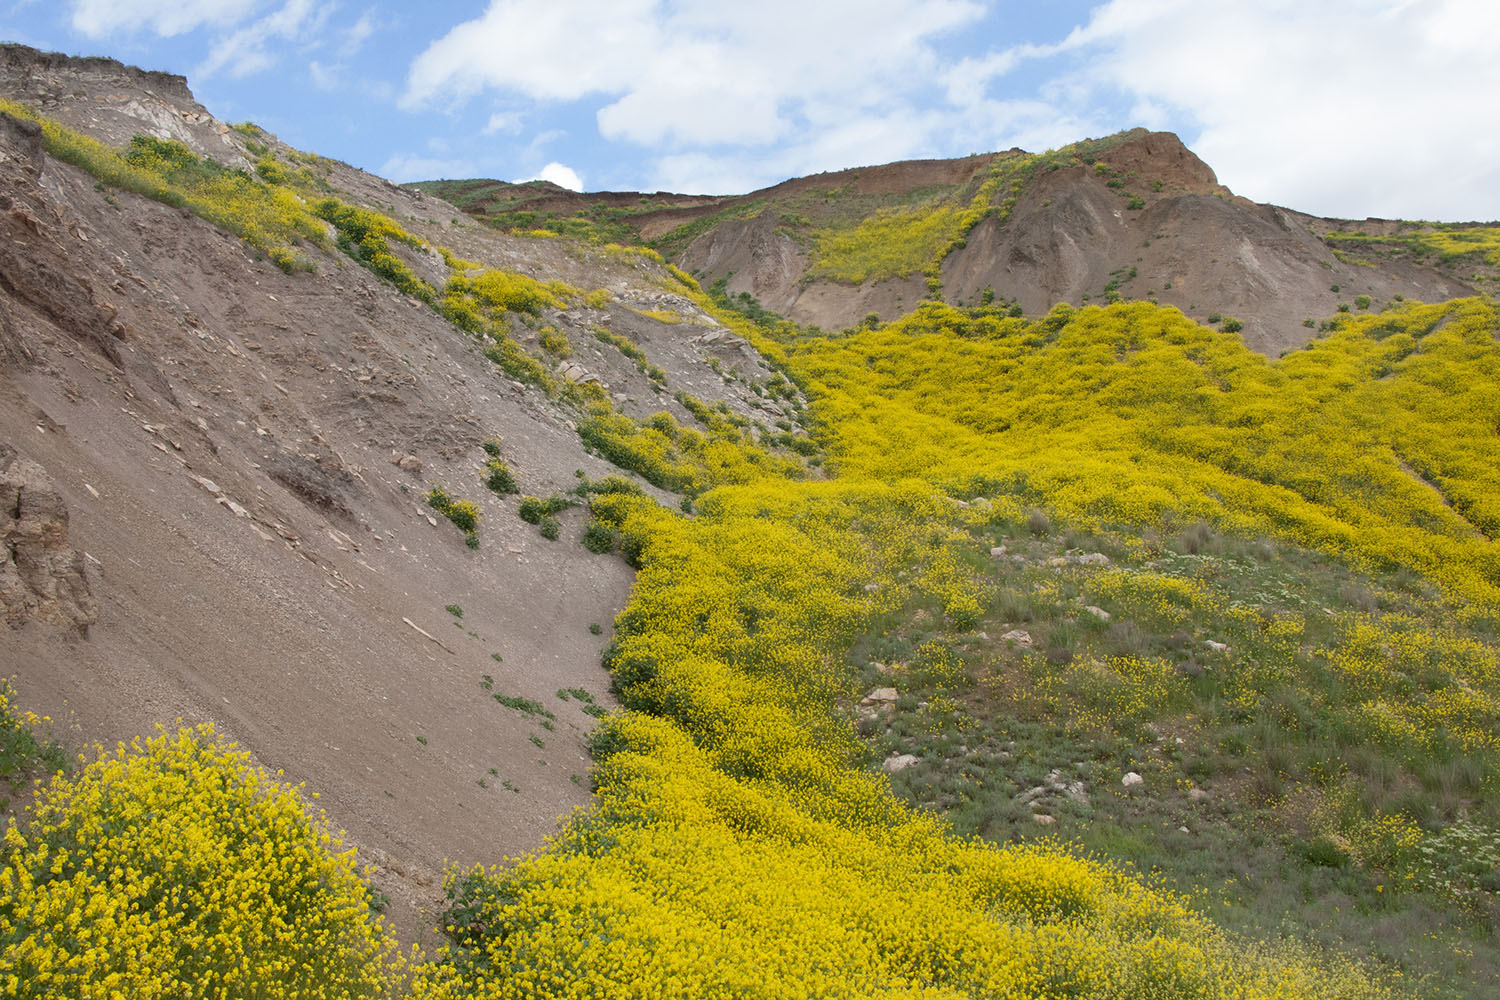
(26, 750)
(1295, 817)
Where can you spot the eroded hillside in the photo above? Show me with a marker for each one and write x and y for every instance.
(1134, 216)
(237, 459)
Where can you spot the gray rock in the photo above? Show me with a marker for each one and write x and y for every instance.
(879, 696)
(42, 577)
(1098, 613)
(900, 762)
(1132, 779)
(1018, 636)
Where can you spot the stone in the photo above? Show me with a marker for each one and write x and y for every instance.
(409, 463)
(1020, 637)
(1217, 647)
(1044, 819)
(1198, 795)
(1132, 779)
(998, 550)
(1098, 613)
(42, 577)
(900, 762)
(1092, 559)
(879, 696)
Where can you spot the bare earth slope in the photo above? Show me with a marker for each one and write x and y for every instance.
(209, 445)
(1147, 219)
(1191, 244)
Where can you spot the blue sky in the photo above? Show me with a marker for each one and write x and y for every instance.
(1341, 107)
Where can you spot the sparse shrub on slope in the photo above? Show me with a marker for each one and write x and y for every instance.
(176, 868)
(367, 237)
(270, 218)
(23, 751)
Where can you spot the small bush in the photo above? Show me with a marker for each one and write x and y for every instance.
(1038, 523)
(1323, 852)
(491, 447)
(463, 513)
(534, 509)
(556, 343)
(1361, 302)
(1232, 325)
(499, 478)
(550, 528)
(599, 537)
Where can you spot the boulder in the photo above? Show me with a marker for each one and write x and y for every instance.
(900, 762)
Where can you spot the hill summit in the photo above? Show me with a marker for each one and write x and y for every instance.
(1134, 216)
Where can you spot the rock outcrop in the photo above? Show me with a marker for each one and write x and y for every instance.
(41, 576)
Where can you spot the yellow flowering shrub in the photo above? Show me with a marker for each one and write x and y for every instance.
(22, 750)
(1372, 444)
(268, 217)
(175, 868)
(737, 849)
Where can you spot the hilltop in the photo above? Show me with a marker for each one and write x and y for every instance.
(641, 641)
(1132, 217)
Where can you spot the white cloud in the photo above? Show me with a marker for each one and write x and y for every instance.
(249, 49)
(97, 18)
(559, 174)
(404, 167)
(324, 77)
(358, 33)
(691, 73)
(1346, 107)
(503, 121)
(1349, 107)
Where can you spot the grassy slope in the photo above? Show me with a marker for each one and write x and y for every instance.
(741, 844)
